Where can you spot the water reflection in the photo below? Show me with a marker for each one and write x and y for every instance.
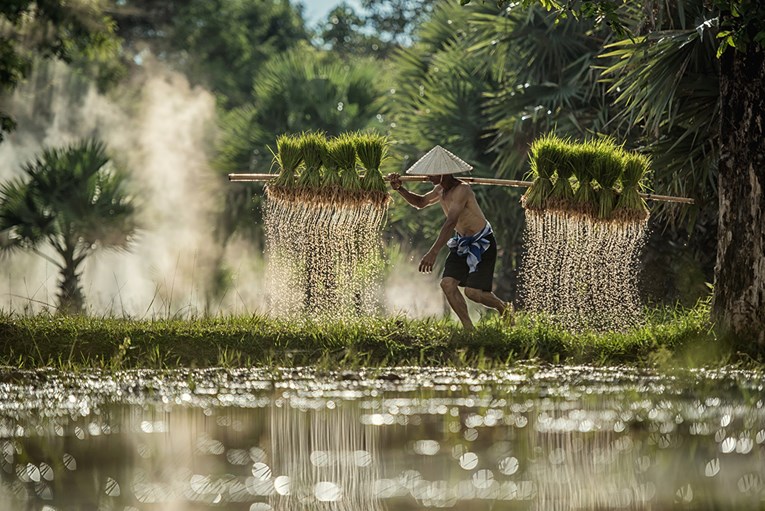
(324, 455)
(543, 438)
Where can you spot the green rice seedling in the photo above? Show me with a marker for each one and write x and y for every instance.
(371, 149)
(562, 194)
(287, 157)
(582, 161)
(344, 154)
(331, 167)
(313, 148)
(543, 154)
(630, 203)
(606, 170)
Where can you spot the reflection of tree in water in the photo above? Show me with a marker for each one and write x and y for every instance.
(323, 457)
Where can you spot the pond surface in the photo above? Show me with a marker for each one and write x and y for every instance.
(531, 437)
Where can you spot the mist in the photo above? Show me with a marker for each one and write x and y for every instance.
(162, 130)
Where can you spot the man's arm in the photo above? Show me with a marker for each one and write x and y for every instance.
(455, 210)
(418, 201)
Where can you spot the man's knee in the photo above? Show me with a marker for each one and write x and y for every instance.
(449, 284)
(473, 293)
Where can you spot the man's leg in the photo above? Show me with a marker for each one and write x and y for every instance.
(456, 301)
(489, 299)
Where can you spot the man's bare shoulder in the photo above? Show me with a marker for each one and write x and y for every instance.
(462, 190)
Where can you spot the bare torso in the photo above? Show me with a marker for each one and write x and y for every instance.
(471, 219)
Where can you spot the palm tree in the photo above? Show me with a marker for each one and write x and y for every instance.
(74, 200)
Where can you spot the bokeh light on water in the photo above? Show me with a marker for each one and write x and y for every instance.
(533, 437)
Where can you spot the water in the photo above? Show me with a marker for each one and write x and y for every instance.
(324, 256)
(531, 437)
(581, 271)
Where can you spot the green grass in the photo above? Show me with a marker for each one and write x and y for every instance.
(670, 336)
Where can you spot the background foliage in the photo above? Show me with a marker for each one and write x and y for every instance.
(483, 80)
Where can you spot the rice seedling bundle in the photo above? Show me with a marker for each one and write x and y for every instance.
(582, 160)
(542, 154)
(331, 182)
(371, 149)
(287, 157)
(562, 194)
(313, 149)
(630, 204)
(344, 154)
(607, 169)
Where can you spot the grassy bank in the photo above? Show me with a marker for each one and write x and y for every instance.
(676, 336)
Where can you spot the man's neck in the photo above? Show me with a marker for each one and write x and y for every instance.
(448, 182)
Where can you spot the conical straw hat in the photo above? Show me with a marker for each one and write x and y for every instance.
(438, 161)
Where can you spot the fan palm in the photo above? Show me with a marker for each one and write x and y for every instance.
(439, 94)
(74, 200)
(543, 67)
(667, 83)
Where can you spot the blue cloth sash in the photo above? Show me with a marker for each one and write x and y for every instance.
(472, 246)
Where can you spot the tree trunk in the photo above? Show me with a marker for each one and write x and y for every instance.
(70, 299)
(739, 297)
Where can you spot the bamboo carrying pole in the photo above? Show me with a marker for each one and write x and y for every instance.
(465, 179)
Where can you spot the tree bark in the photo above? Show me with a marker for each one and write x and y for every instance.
(739, 297)
(71, 299)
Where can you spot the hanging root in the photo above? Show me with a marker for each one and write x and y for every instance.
(324, 251)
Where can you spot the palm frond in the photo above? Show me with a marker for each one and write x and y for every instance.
(667, 83)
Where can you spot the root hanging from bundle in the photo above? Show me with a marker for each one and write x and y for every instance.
(582, 271)
(324, 251)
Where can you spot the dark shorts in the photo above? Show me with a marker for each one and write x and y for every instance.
(482, 278)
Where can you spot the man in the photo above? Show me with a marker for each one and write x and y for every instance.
(473, 251)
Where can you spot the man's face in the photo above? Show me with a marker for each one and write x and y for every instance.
(436, 180)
